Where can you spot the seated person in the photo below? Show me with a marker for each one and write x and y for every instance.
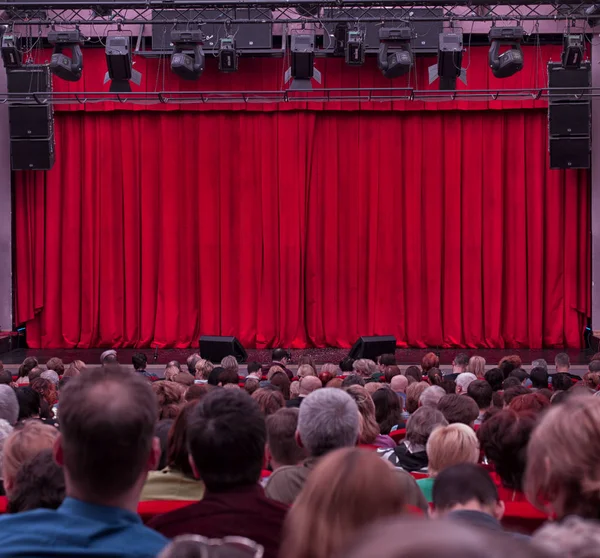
(282, 448)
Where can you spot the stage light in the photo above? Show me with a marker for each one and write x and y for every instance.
(572, 54)
(340, 38)
(66, 67)
(303, 57)
(11, 54)
(450, 52)
(187, 60)
(120, 66)
(395, 57)
(228, 57)
(511, 61)
(355, 48)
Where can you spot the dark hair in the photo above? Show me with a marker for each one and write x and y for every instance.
(539, 377)
(387, 359)
(197, 391)
(35, 373)
(107, 418)
(462, 483)
(462, 359)
(281, 435)
(388, 409)
(594, 366)
(281, 381)
(390, 372)
(31, 404)
(279, 354)
(503, 438)
(458, 408)
(177, 452)
(414, 372)
(515, 391)
(547, 393)
(57, 365)
(529, 402)
(40, 483)
(139, 361)
(481, 392)
(507, 367)
(28, 365)
(353, 380)
(347, 364)
(561, 382)
(559, 397)
(228, 376)
(494, 377)
(215, 373)
(161, 431)
(254, 367)
(520, 374)
(5, 376)
(269, 399)
(226, 425)
(434, 376)
(511, 381)
(448, 385)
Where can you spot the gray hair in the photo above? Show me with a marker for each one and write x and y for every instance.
(328, 420)
(108, 356)
(230, 363)
(431, 396)
(305, 370)
(9, 406)
(463, 380)
(540, 363)
(574, 537)
(364, 367)
(50, 375)
(422, 423)
(5, 431)
(331, 368)
(191, 362)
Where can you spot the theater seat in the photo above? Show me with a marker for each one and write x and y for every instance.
(152, 508)
(417, 476)
(398, 435)
(3, 504)
(522, 517)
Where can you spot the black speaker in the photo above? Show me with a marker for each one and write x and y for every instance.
(559, 77)
(30, 121)
(216, 348)
(31, 79)
(32, 154)
(569, 153)
(373, 347)
(567, 119)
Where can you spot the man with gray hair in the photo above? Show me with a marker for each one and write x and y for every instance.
(539, 363)
(50, 375)
(463, 380)
(364, 367)
(108, 357)
(9, 406)
(562, 363)
(328, 420)
(431, 396)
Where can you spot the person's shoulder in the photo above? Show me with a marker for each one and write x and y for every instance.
(283, 473)
(175, 516)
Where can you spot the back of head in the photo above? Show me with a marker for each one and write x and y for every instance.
(28, 365)
(177, 451)
(388, 409)
(429, 361)
(477, 366)
(374, 492)
(508, 363)
(202, 369)
(463, 483)
(347, 364)
(594, 366)
(561, 382)
(573, 537)
(462, 360)
(562, 362)
(414, 372)
(386, 360)
(230, 363)
(168, 397)
(464, 380)
(369, 429)
(519, 374)
(434, 375)
(5, 377)
(281, 381)
(328, 420)
(305, 370)
(254, 367)
(422, 423)
(431, 396)
(563, 456)
(139, 361)
(364, 367)
(30, 402)
(225, 425)
(279, 354)
(35, 373)
(353, 380)
(514, 392)
(539, 362)
(511, 381)
(539, 378)
(171, 372)
(413, 394)
(107, 419)
(250, 385)
(39, 483)
(308, 384)
(529, 402)
(281, 437)
(108, 357)
(269, 400)
(191, 362)
(50, 375)
(9, 406)
(481, 392)
(399, 384)
(331, 368)
(451, 445)
(458, 408)
(57, 365)
(494, 377)
(391, 372)
(184, 378)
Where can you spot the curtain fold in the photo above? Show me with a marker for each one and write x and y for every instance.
(443, 228)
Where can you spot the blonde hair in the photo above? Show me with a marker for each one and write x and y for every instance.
(230, 363)
(305, 370)
(273, 370)
(171, 372)
(413, 394)
(562, 459)
(294, 389)
(24, 444)
(372, 387)
(203, 369)
(451, 445)
(477, 366)
(369, 429)
(349, 489)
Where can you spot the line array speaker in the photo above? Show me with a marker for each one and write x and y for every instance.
(31, 126)
(569, 120)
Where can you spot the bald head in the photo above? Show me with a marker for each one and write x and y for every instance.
(399, 384)
(308, 384)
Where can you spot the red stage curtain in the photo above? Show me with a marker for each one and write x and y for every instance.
(302, 228)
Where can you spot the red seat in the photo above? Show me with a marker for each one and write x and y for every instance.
(415, 475)
(151, 508)
(398, 435)
(522, 517)
(3, 504)
(265, 473)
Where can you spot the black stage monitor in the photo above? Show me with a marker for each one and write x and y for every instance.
(216, 348)
(373, 347)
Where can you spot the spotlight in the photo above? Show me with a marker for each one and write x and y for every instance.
(66, 67)
(450, 52)
(395, 57)
(511, 61)
(340, 38)
(228, 58)
(187, 60)
(303, 57)
(12, 56)
(355, 48)
(120, 67)
(572, 53)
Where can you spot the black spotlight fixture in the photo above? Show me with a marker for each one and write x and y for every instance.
(187, 60)
(120, 66)
(355, 48)
(510, 61)
(395, 57)
(62, 65)
(573, 47)
(340, 38)
(450, 53)
(228, 57)
(12, 55)
(302, 70)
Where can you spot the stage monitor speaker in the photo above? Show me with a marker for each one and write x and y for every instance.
(569, 119)
(32, 154)
(569, 153)
(216, 348)
(373, 347)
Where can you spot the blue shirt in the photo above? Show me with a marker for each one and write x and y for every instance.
(77, 529)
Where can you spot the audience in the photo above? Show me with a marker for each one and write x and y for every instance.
(5, 377)
(457, 408)
(399, 384)
(254, 371)
(282, 449)
(561, 382)
(281, 381)
(477, 366)
(305, 370)
(413, 395)
(391, 372)
(481, 392)
(281, 358)
(364, 368)
(353, 380)
(494, 377)
(329, 419)
(413, 372)
(513, 392)
(459, 365)
(562, 362)
(9, 405)
(463, 381)
(140, 361)
(539, 378)
(202, 370)
(168, 399)
(388, 411)
(306, 386)
(347, 366)
(369, 429)
(349, 489)
(269, 400)
(573, 537)
(431, 396)
(191, 362)
(33, 406)
(529, 402)
(429, 361)
(234, 503)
